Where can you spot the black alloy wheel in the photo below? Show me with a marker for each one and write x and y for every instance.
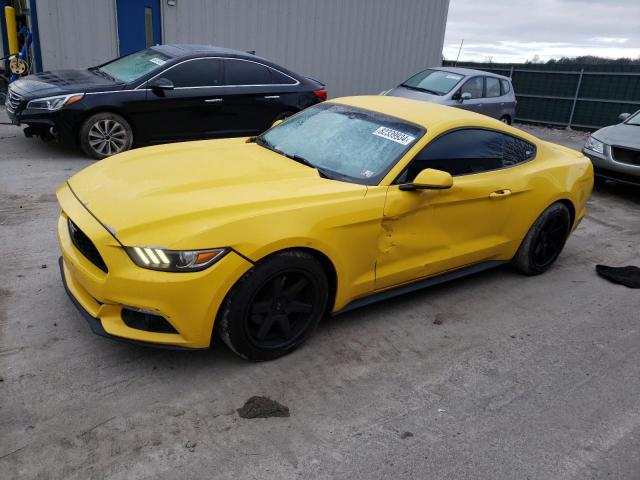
(544, 241)
(549, 241)
(275, 306)
(281, 310)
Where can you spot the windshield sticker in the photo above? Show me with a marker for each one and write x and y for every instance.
(454, 77)
(394, 135)
(157, 61)
(368, 173)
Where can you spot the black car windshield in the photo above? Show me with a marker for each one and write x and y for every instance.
(132, 67)
(634, 119)
(343, 142)
(434, 81)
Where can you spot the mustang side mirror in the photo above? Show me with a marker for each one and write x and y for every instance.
(465, 96)
(429, 179)
(623, 116)
(161, 84)
(276, 123)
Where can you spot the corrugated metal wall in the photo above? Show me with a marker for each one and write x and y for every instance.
(76, 33)
(355, 46)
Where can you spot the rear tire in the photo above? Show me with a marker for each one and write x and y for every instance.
(506, 119)
(274, 307)
(544, 241)
(105, 134)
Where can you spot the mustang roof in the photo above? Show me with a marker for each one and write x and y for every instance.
(426, 114)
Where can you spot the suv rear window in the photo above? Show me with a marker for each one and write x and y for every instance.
(506, 86)
(492, 87)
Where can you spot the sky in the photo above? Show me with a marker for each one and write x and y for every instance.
(516, 30)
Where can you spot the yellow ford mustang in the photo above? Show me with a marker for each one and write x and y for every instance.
(345, 203)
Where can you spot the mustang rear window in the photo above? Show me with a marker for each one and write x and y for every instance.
(357, 145)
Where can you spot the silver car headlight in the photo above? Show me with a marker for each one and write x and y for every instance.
(55, 103)
(595, 145)
(155, 258)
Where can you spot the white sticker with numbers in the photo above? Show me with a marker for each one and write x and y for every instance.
(157, 61)
(394, 135)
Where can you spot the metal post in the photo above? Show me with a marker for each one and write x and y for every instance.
(511, 73)
(575, 98)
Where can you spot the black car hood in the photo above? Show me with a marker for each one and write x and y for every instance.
(59, 82)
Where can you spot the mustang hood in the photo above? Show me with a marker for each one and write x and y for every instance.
(622, 134)
(167, 195)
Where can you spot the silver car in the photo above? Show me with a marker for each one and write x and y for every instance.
(615, 150)
(474, 90)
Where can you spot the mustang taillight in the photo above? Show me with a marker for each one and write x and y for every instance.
(321, 94)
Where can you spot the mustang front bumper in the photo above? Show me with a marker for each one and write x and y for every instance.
(189, 302)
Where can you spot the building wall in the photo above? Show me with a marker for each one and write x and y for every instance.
(354, 46)
(76, 33)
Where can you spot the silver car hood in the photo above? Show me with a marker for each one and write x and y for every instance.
(415, 95)
(621, 134)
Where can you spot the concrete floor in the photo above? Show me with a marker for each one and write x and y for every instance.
(525, 378)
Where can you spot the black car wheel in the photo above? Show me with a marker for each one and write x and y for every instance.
(274, 307)
(544, 241)
(105, 134)
(506, 119)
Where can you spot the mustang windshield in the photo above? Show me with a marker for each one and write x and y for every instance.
(132, 67)
(343, 142)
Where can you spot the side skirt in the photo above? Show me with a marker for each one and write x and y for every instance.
(419, 285)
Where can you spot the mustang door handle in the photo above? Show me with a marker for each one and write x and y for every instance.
(213, 100)
(500, 193)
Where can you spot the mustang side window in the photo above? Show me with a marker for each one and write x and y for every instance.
(468, 151)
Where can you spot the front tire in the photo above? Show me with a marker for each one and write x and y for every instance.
(506, 119)
(105, 134)
(274, 307)
(544, 241)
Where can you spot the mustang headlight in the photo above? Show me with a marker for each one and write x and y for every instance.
(55, 103)
(595, 145)
(175, 260)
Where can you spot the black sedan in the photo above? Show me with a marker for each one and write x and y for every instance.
(164, 93)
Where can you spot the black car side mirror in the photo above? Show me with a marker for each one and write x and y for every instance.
(161, 84)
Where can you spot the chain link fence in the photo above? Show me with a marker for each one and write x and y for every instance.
(578, 96)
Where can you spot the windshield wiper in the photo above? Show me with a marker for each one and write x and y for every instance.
(420, 89)
(102, 73)
(297, 158)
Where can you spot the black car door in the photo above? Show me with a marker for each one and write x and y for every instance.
(184, 101)
(254, 96)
